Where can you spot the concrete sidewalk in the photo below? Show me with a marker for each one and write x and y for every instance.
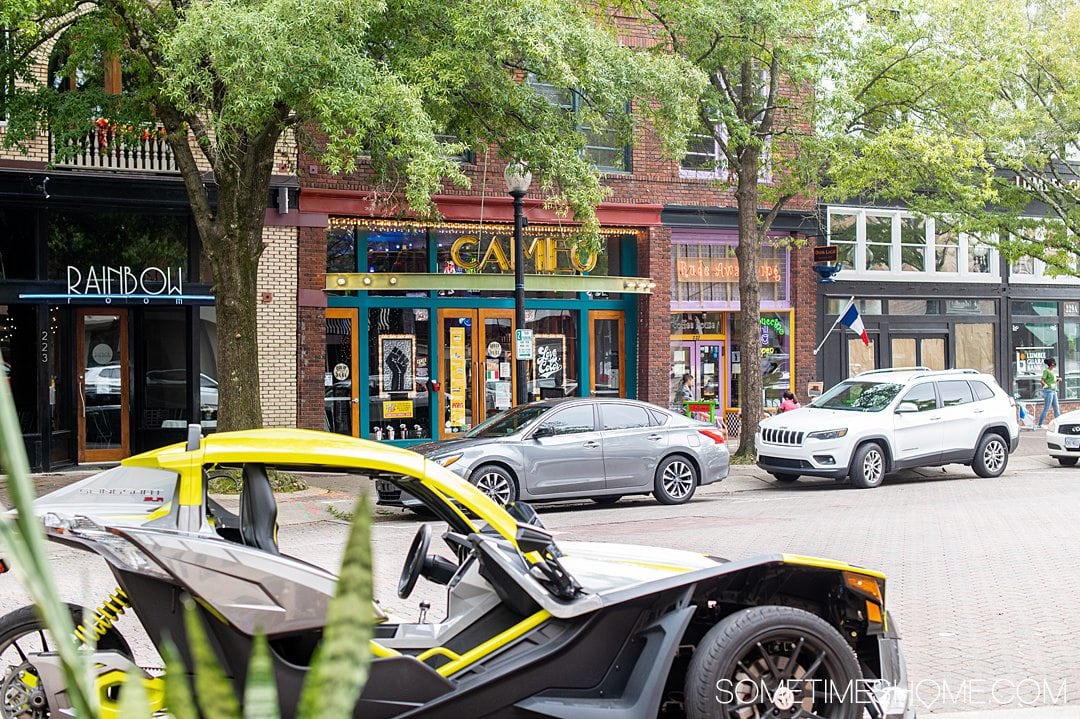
(1069, 711)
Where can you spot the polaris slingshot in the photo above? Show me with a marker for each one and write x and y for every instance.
(534, 627)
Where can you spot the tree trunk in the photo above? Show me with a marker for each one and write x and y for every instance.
(231, 233)
(748, 252)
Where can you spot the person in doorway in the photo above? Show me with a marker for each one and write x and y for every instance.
(685, 391)
(789, 402)
(1049, 390)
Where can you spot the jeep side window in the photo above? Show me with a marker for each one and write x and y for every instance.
(954, 392)
(922, 395)
(982, 392)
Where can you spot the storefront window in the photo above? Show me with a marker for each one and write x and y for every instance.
(18, 244)
(834, 305)
(860, 356)
(1032, 344)
(1032, 308)
(555, 369)
(399, 370)
(341, 250)
(338, 375)
(19, 347)
(165, 403)
(1070, 362)
(607, 354)
(774, 358)
(208, 367)
(92, 241)
(397, 251)
(975, 347)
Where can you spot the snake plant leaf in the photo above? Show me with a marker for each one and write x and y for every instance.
(134, 702)
(260, 692)
(178, 696)
(340, 666)
(23, 543)
(213, 690)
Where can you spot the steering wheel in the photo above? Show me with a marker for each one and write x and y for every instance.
(414, 562)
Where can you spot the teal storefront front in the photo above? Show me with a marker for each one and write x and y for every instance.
(420, 323)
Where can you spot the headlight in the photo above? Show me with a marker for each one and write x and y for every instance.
(448, 459)
(1054, 425)
(828, 434)
(115, 549)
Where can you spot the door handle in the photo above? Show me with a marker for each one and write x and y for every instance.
(591, 444)
(654, 437)
(978, 411)
(935, 419)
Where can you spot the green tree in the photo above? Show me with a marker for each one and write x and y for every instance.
(383, 79)
(816, 98)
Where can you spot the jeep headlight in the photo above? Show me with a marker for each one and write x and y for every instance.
(447, 460)
(828, 434)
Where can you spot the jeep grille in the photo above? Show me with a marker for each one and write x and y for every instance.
(787, 437)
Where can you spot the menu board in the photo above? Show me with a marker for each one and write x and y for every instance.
(456, 395)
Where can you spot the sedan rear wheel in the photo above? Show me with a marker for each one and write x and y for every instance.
(496, 483)
(676, 481)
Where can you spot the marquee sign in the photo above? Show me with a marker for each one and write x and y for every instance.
(123, 280)
(495, 253)
(721, 269)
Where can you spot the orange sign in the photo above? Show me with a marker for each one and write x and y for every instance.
(721, 269)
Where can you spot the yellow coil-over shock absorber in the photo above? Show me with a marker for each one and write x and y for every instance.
(105, 616)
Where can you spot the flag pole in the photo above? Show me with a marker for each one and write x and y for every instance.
(850, 302)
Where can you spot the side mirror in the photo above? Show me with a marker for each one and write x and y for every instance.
(532, 539)
(907, 408)
(543, 430)
(524, 513)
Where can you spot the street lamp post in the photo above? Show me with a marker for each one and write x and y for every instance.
(518, 178)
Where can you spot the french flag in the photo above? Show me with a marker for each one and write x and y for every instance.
(852, 320)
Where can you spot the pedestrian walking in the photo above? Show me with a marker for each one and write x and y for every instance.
(685, 391)
(789, 402)
(1049, 390)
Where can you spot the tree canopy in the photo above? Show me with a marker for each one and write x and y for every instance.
(405, 84)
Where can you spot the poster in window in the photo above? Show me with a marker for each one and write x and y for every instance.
(397, 363)
(549, 368)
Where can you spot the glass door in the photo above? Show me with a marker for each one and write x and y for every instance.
(341, 400)
(682, 369)
(607, 361)
(457, 410)
(104, 391)
(498, 370)
(478, 368)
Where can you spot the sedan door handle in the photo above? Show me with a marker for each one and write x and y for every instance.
(591, 444)
(654, 437)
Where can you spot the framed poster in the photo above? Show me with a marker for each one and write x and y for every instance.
(549, 367)
(397, 363)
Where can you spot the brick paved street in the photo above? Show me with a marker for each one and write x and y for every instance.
(981, 575)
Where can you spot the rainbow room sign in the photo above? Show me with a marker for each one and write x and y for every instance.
(721, 269)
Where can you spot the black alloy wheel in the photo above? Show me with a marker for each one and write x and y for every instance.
(773, 662)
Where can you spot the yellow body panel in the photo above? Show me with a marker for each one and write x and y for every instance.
(301, 447)
(828, 564)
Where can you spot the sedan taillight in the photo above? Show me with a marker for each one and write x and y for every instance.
(716, 435)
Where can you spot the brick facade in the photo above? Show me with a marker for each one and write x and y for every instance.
(654, 317)
(277, 318)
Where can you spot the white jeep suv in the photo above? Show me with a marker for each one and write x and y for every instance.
(891, 419)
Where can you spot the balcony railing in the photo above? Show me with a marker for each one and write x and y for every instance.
(111, 147)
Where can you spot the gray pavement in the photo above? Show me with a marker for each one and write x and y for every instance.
(979, 576)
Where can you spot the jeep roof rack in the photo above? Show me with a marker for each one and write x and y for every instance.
(948, 372)
(883, 370)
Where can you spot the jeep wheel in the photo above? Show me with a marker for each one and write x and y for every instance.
(1068, 461)
(868, 466)
(772, 661)
(785, 478)
(991, 457)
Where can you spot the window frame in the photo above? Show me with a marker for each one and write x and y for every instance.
(589, 133)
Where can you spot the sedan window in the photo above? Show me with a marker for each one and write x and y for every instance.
(954, 392)
(572, 420)
(508, 422)
(622, 416)
(924, 396)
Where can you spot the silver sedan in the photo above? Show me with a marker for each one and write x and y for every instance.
(600, 449)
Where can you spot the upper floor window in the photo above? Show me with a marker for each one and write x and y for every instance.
(705, 155)
(604, 146)
(874, 241)
(103, 72)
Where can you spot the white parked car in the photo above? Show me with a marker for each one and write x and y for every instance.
(886, 420)
(1063, 438)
